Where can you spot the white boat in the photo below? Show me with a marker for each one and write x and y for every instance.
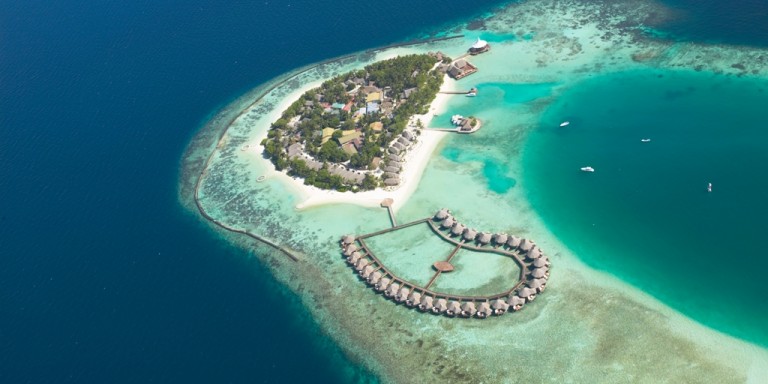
(709, 187)
(645, 140)
(471, 94)
(587, 169)
(564, 123)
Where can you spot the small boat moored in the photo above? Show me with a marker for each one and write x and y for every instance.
(565, 123)
(645, 140)
(587, 169)
(709, 187)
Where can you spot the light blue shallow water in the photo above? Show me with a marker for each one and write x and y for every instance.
(645, 214)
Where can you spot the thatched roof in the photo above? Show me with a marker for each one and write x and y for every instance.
(458, 229)
(367, 271)
(534, 253)
(414, 298)
(469, 234)
(484, 310)
(515, 300)
(499, 304)
(350, 248)
(526, 245)
(526, 293)
(394, 157)
(468, 309)
(392, 289)
(440, 305)
(398, 146)
(484, 238)
(453, 308)
(535, 283)
(426, 303)
(402, 294)
(513, 242)
(391, 182)
(500, 238)
(353, 259)
(393, 150)
(539, 272)
(442, 214)
(361, 263)
(541, 262)
(448, 222)
(383, 283)
(348, 239)
(374, 277)
(391, 169)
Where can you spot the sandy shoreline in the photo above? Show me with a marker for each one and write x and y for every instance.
(414, 161)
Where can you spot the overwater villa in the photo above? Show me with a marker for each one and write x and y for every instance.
(532, 278)
(479, 47)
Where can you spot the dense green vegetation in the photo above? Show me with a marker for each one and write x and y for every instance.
(321, 108)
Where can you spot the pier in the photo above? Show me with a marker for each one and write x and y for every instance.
(531, 280)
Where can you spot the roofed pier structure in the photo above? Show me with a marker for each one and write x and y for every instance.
(479, 47)
(523, 288)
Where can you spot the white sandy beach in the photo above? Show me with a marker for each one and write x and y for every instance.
(415, 161)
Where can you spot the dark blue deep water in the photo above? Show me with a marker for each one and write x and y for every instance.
(103, 277)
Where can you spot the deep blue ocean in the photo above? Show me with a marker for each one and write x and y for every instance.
(103, 276)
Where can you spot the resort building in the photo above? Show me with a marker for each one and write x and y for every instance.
(479, 47)
(461, 68)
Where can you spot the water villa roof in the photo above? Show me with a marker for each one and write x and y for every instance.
(534, 253)
(414, 298)
(468, 309)
(440, 306)
(442, 214)
(526, 245)
(484, 238)
(484, 310)
(513, 242)
(539, 273)
(374, 277)
(453, 308)
(528, 281)
(536, 283)
(499, 306)
(541, 262)
(426, 303)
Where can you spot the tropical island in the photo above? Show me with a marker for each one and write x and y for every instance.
(350, 133)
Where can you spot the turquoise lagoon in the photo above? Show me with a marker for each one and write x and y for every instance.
(645, 213)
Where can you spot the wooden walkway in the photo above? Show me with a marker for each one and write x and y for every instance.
(424, 290)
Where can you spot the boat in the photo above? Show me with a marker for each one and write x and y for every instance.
(709, 187)
(587, 169)
(564, 123)
(471, 94)
(645, 140)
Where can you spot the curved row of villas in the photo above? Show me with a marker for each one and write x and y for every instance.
(376, 275)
